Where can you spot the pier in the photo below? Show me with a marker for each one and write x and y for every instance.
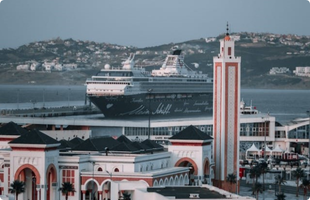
(50, 111)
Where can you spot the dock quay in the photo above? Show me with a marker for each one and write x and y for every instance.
(50, 111)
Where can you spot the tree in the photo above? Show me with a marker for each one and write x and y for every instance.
(298, 173)
(263, 167)
(231, 178)
(280, 181)
(255, 173)
(305, 185)
(280, 196)
(66, 187)
(17, 187)
(258, 188)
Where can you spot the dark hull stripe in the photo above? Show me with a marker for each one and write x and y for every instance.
(166, 105)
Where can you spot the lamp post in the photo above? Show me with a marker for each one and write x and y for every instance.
(308, 113)
(69, 93)
(18, 99)
(34, 103)
(265, 133)
(43, 98)
(110, 174)
(150, 112)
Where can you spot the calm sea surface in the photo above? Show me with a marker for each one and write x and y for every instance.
(285, 105)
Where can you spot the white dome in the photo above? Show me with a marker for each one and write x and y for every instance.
(107, 66)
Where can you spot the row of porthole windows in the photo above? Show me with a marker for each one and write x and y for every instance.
(164, 130)
(105, 90)
(110, 83)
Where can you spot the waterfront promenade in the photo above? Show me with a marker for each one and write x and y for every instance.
(289, 190)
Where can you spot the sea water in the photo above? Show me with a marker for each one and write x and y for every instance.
(285, 105)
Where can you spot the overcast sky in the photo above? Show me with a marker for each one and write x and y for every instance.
(144, 23)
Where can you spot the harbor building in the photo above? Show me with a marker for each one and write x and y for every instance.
(106, 168)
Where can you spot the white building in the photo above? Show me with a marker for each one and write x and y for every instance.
(22, 67)
(34, 66)
(302, 71)
(279, 70)
(48, 66)
(102, 167)
(210, 39)
(70, 66)
(58, 67)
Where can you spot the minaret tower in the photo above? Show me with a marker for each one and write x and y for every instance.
(226, 100)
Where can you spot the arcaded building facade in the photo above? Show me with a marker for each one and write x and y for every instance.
(99, 167)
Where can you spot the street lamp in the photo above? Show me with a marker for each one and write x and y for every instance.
(18, 99)
(265, 133)
(110, 174)
(43, 98)
(34, 103)
(308, 113)
(69, 93)
(150, 112)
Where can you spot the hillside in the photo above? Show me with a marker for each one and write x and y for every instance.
(72, 61)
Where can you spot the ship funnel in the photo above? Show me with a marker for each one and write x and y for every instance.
(129, 63)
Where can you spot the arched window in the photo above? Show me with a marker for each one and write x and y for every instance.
(116, 170)
(99, 169)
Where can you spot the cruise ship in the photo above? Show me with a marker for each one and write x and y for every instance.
(172, 90)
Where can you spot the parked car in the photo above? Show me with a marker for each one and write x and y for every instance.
(243, 162)
(271, 161)
(304, 162)
(254, 162)
(261, 160)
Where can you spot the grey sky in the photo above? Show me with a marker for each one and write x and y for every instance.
(145, 23)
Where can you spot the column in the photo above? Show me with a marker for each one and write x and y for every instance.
(38, 193)
(83, 194)
(53, 192)
(100, 195)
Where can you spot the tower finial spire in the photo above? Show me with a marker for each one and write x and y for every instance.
(227, 29)
(227, 37)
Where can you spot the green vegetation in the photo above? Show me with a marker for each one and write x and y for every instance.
(298, 173)
(257, 58)
(66, 188)
(232, 179)
(17, 187)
